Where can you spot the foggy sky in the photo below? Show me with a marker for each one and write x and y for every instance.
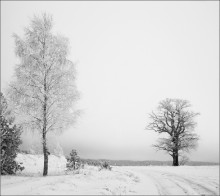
(130, 55)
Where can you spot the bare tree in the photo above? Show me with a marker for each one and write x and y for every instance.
(175, 120)
(43, 91)
(183, 159)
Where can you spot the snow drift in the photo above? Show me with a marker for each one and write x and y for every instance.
(34, 164)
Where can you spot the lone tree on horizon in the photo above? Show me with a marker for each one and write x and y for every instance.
(174, 119)
(44, 91)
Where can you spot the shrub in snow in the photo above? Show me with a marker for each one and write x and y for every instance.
(10, 140)
(183, 159)
(24, 152)
(91, 162)
(105, 165)
(73, 161)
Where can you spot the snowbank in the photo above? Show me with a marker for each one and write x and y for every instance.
(34, 164)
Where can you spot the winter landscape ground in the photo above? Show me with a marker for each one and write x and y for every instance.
(122, 180)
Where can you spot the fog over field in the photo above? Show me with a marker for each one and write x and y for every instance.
(129, 56)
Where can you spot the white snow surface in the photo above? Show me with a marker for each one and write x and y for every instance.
(128, 180)
(33, 164)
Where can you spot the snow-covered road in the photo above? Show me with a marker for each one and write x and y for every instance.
(145, 180)
(183, 180)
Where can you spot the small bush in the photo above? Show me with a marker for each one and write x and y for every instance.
(73, 161)
(105, 165)
(24, 151)
(183, 160)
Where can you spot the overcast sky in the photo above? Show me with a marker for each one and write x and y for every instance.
(130, 55)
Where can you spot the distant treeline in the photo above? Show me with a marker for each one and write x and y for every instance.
(141, 163)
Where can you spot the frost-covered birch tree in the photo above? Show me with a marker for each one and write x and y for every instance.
(44, 90)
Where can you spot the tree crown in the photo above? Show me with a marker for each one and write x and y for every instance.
(44, 78)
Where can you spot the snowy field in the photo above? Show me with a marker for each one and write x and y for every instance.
(139, 180)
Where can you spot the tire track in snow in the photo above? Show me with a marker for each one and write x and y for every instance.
(167, 186)
(188, 183)
(155, 179)
(172, 184)
(211, 182)
(143, 184)
(201, 189)
(184, 189)
(161, 189)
